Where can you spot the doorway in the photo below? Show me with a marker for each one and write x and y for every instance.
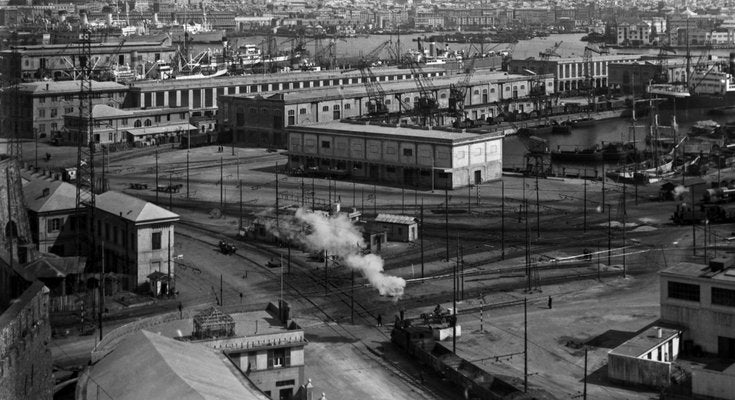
(478, 177)
(726, 347)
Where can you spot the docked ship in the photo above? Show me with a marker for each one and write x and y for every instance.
(706, 87)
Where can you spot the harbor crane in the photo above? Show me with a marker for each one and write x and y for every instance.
(458, 93)
(551, 51)
(589, 73)
(376, 95)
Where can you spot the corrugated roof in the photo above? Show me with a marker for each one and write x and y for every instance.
(132, 208)
(395, 131)
(61, 195)
(395, 219)
(50, 266)
(173, 370)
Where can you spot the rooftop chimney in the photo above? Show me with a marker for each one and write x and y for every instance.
(45, 192)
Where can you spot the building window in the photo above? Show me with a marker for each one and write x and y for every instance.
(477, 92)
(408, 152)
(492, 90)
(390, 169)
(326, 144)
(325, 108)
(68, 110)
(54, 127)
(137, 124)
(157, 118)
(278, 358)
(148, 122)
(42, 113)
(347, 106)
(302, 111)
(182, 116)
(41, 100)
(54, 225)
(387, 102)
(124, 121)
(291, 117)
(53, 113)
(683, 291)
(156, 241)
(523, 87)
(41, 128)
(723, 297)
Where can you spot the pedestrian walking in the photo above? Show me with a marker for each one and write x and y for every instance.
(380, 320)
(549, 302)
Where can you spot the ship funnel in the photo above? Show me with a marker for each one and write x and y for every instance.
(85, 20)
(732, 63)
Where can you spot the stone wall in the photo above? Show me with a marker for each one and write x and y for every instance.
(25, 360)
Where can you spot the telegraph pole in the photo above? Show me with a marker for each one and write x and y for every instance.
(538, 209)
(156, 176)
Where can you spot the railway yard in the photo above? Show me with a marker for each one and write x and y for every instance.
(596, 258)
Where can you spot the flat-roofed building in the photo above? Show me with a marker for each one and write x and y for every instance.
(398, 155)
(200, 95)
(61, 61)
(701, 298)
(262, 120)
(41, 106)
(136, 127)
(570, 73)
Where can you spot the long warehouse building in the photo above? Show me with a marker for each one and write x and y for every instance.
(412, 157)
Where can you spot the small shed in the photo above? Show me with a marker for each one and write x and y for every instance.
(400, 228)
(375, 240)
(160, 283)
(646, 358)
(213, 323)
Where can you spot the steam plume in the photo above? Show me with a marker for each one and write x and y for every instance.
(338, 236)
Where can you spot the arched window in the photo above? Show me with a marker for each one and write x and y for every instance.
(492, 90)
(148, 122)
(523, 87)
(443, 96)
(137, 123)
(477, 92)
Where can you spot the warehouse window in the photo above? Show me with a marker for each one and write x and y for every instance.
(683, 291)
(347, 106)
(326, 144)
(325, 108)
(408, 152)
(302, 111)
(723, 297)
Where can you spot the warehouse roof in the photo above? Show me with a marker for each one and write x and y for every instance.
(364, 129)
(60, 87)
(645, 341)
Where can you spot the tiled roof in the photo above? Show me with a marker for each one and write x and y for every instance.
(132, 208)
(61, 195)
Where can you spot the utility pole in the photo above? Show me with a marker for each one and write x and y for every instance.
(102, 288)
(625, 215)
(352, 297)
(221, 185)
(528, 248)
(170, 194)
(525, 345)
(421, 234)
(188, 142)
(502, 219)
(326, 276)
(446, 219)
(454, 301)
(609, 234)
(278, 210)
(469, 194)
(584, 391)
(156, 176)
(538, 209)
(585, 201)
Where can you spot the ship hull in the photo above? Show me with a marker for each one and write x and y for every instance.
(700, 101)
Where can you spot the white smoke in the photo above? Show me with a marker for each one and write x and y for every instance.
(679, 191)
(340, 237)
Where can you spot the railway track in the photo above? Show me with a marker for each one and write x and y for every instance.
(303, 272)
